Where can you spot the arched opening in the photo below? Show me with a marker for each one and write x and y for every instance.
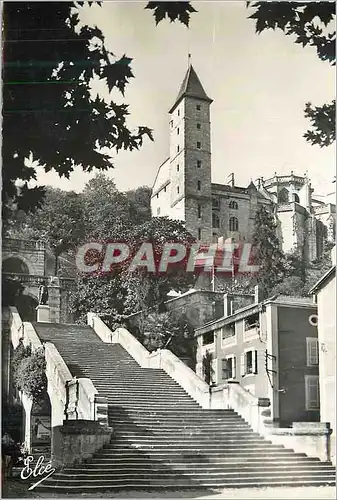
(215, 220)
(283, 196)
(296, 198)
(233, 205)
(14, 265)
(233, 224)
(26, 307)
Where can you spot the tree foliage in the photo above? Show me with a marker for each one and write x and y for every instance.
(172, 10)
(207, 367)
(268, 255)
(309, 24)
(50, 61)
(29, 371)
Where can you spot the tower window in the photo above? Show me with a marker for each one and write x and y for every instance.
(199, 211)
(178, 149)
(177, 168)
(198, 126)
(178, 112)
(198, 107)
(171, 123)
(233, 224)
(165, 189)
(199, 163)
(216, 203)
(215, 221)
(199, 233)
(233, 205)
(199, 185)
(178, 189)
(178, 131)
(198, 145)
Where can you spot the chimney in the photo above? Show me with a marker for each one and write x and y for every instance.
(258, 296)
(43, 314)
(227, 305)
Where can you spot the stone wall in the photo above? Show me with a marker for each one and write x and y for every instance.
(77, 440)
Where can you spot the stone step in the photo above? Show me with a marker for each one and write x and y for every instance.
(231, 468)
(249, 482)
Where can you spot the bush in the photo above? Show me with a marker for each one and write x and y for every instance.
(29, 372)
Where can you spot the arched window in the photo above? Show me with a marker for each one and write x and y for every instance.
(283, 196)
(296, 198)
(215, 220)
(233, 205)
(14, 265)
(233, 224)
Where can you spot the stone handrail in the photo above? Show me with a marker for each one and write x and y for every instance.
(16, 327)
(120, 336)
(164, 359)
(311, 438)
(86, 399)
(182, 374)
(58, 374)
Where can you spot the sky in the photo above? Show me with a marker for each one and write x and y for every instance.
(259, 85)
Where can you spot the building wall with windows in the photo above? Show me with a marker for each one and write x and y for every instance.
(325, 293)
(271, 349)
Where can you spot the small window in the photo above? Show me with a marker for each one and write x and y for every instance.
(178, 168)
(165, 189)
(178, 112)
(171, 123)
(178, 131)
(178, 149)
(199, 211)
(233, 224)
(312, 351)
(198, 145)
(157, 195)
(199, 185)
(198, 107)
(252, 322)
(233, 205)
(198, 126)
(249, 363)
(296, 198)
(228, 331)
(215, 221)
(199, 233)
(208, 338)
(158, 210)
(229, 368)
(178, 189)
(312, 392)
(199, 163)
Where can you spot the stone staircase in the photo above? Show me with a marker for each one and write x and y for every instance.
(162, 437)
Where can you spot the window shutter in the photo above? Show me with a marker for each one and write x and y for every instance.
(243, 364)
(312, 392)
(254, 362)
(234, 367)
(312, 351)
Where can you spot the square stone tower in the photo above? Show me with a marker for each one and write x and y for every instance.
(190, 158)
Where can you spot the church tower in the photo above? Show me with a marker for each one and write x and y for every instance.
(190, 158)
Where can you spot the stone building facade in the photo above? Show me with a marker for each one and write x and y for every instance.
(32, 264)
(183, 189)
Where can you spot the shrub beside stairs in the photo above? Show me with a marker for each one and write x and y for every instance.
(162, 437)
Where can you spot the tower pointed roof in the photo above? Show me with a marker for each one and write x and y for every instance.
(191, 87)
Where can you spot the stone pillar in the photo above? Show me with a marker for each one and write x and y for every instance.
(43, 314)
(27, 404)
(54, 299)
